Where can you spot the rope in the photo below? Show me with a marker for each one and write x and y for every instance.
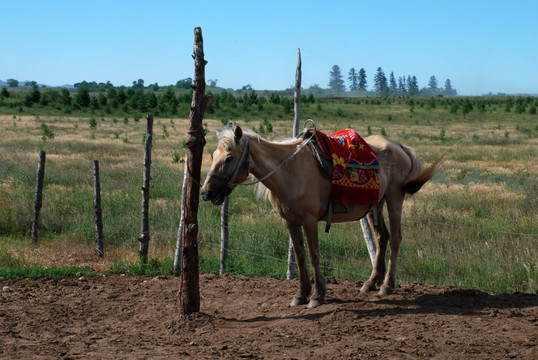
(268, 175)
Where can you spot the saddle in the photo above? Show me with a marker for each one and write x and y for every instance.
(351, 165)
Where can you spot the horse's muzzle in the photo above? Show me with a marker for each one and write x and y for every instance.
(216, 198)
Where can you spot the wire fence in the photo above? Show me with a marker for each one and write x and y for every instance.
(448, 244)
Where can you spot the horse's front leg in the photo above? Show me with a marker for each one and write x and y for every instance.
(305, 288)
(320, 289)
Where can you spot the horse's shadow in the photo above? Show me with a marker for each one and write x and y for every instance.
(463, 302)
(455, 301)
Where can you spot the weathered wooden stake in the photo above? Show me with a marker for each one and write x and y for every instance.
(369, 239)
(290, 274)
(189, 291)
(98, 213)
(143, 238)
(38, 196)
(297, 96)
(224, 235)
(179, 242)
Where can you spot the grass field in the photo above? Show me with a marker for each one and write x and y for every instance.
(474, 225)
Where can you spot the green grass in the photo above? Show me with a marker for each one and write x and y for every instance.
(44, 272)
(473, 225)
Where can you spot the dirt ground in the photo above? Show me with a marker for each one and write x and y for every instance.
(130, 317)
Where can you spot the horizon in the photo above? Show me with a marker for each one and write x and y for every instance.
(483, 47)
(71, 86)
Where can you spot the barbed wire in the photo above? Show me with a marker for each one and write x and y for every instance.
(285, 260)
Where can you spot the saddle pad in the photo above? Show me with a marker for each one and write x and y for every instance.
(355, 178)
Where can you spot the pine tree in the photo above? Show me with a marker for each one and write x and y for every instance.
(449, 90)
(336, 82)
(412, 85)
(362, 79)
(432, 84)
(392, 83)
(401, 84)
(66, 97)
(380, 81)
(353, 78)
(83, 97)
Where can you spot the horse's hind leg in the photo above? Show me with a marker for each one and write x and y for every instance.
(381, 236)
(394, 207)
(320, 289)
(305, 287)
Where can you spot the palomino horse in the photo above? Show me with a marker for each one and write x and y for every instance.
(300, 195)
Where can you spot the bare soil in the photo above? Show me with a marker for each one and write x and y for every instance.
(130, 317)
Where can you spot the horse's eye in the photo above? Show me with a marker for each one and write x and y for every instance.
(229, 159)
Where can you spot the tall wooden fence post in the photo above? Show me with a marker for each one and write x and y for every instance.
(143, 238)
(290, 274)
(189, 291)
(38, 196)
(98, 213)
(224, 234)
(179, 242)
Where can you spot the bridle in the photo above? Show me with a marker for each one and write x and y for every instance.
(245, 164)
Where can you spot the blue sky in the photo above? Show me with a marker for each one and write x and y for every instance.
(481, 46)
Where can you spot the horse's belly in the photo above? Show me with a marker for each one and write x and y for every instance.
(345, 213)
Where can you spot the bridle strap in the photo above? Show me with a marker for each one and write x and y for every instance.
(270, 173)
(243, 161)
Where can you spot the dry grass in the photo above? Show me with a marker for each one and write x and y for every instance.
(476, 220)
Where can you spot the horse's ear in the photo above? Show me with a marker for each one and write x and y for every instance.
(229, 126)
(238, 134)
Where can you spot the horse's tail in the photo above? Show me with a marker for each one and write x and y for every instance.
(416, 183)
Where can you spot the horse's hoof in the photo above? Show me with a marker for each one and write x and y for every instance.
(367, 288)
(298, 302)
(385, 290)
(315, 303)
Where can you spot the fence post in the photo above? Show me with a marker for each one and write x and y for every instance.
(368, 238)
(143, 238)
(179, 242)
(98, 213)
(189, 291)
(38, 196)
(224, 235)
(290, 274)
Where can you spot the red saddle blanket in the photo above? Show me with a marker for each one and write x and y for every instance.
(355, 179)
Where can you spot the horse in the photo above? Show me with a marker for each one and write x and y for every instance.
(299, 193)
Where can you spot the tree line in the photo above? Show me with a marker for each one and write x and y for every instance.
(403, 86)
(170, 100)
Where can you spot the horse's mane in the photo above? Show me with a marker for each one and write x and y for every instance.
(226, 138)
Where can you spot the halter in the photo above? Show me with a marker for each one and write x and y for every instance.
(244, 163)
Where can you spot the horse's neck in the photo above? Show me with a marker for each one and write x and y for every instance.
(266, 157)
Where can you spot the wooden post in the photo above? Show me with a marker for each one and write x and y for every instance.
(179, 242)
(290, 274)
(297, 96)
(189, 291)
(98, 213)
(38, 196)
(224, 235)
(143, 238)
(369, 239)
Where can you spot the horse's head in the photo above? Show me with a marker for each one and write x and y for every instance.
(230, 165)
